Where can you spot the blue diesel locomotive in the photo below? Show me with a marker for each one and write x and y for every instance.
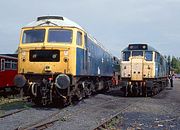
(59, 61)
(144, 71)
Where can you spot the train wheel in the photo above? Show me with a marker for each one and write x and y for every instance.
(149, 88)
(155, 91)
(88, 91)
(144, 91)
(68, 101)
(80, 93)
(135, 90)
(21, 92)
(124, 89)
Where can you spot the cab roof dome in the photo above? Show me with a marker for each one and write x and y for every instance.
(53, 21)
(60, 21)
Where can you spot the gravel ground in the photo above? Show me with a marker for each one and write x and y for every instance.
(87, 114)
(90, 113)
(24, 118)
(160, 112)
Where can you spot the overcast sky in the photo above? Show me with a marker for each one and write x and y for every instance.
(114, 23)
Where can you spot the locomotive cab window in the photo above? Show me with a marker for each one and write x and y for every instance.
(126, 55)
(33, 36)
(148, 55)
(59, 36)
(137, 53)
(157, 57)
(79, 38)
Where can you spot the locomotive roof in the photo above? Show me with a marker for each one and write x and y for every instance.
(149, 48)
(53, 21)
(61, 21)
(9, 56)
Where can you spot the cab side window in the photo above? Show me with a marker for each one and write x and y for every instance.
(126, 55)
(157, 57)
(79, 38)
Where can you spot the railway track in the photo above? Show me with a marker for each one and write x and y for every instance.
(99, 107)
(41, 124)
(94, 111)
(116, 116)
(14, 112)
(50, 120)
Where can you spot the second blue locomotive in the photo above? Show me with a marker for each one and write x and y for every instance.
(144, 71)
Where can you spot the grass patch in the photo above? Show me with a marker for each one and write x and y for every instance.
(1, 113)
(112, 124)
(14, 105)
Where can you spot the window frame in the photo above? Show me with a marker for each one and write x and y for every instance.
(60, 42)
(157, 57)
(34, 30)
(124, 55)
(137, 55)
(81, 38)
(14, 65)
(10, 64)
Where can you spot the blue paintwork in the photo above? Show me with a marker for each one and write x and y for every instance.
(161, 70)
(94, 61)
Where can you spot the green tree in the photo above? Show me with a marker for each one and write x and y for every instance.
(175, 64)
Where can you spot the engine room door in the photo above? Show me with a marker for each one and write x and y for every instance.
(85, 57)
(137, 68)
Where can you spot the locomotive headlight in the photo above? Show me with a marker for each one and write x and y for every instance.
(23, 53)
(54, 56)
(34, 56)
(62, 81)
(144, 47)
(66, 53)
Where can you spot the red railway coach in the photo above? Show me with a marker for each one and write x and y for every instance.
(8, 70)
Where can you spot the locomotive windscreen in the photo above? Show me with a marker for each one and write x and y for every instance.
(137, 47)
(33, 36)
(44, 55)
